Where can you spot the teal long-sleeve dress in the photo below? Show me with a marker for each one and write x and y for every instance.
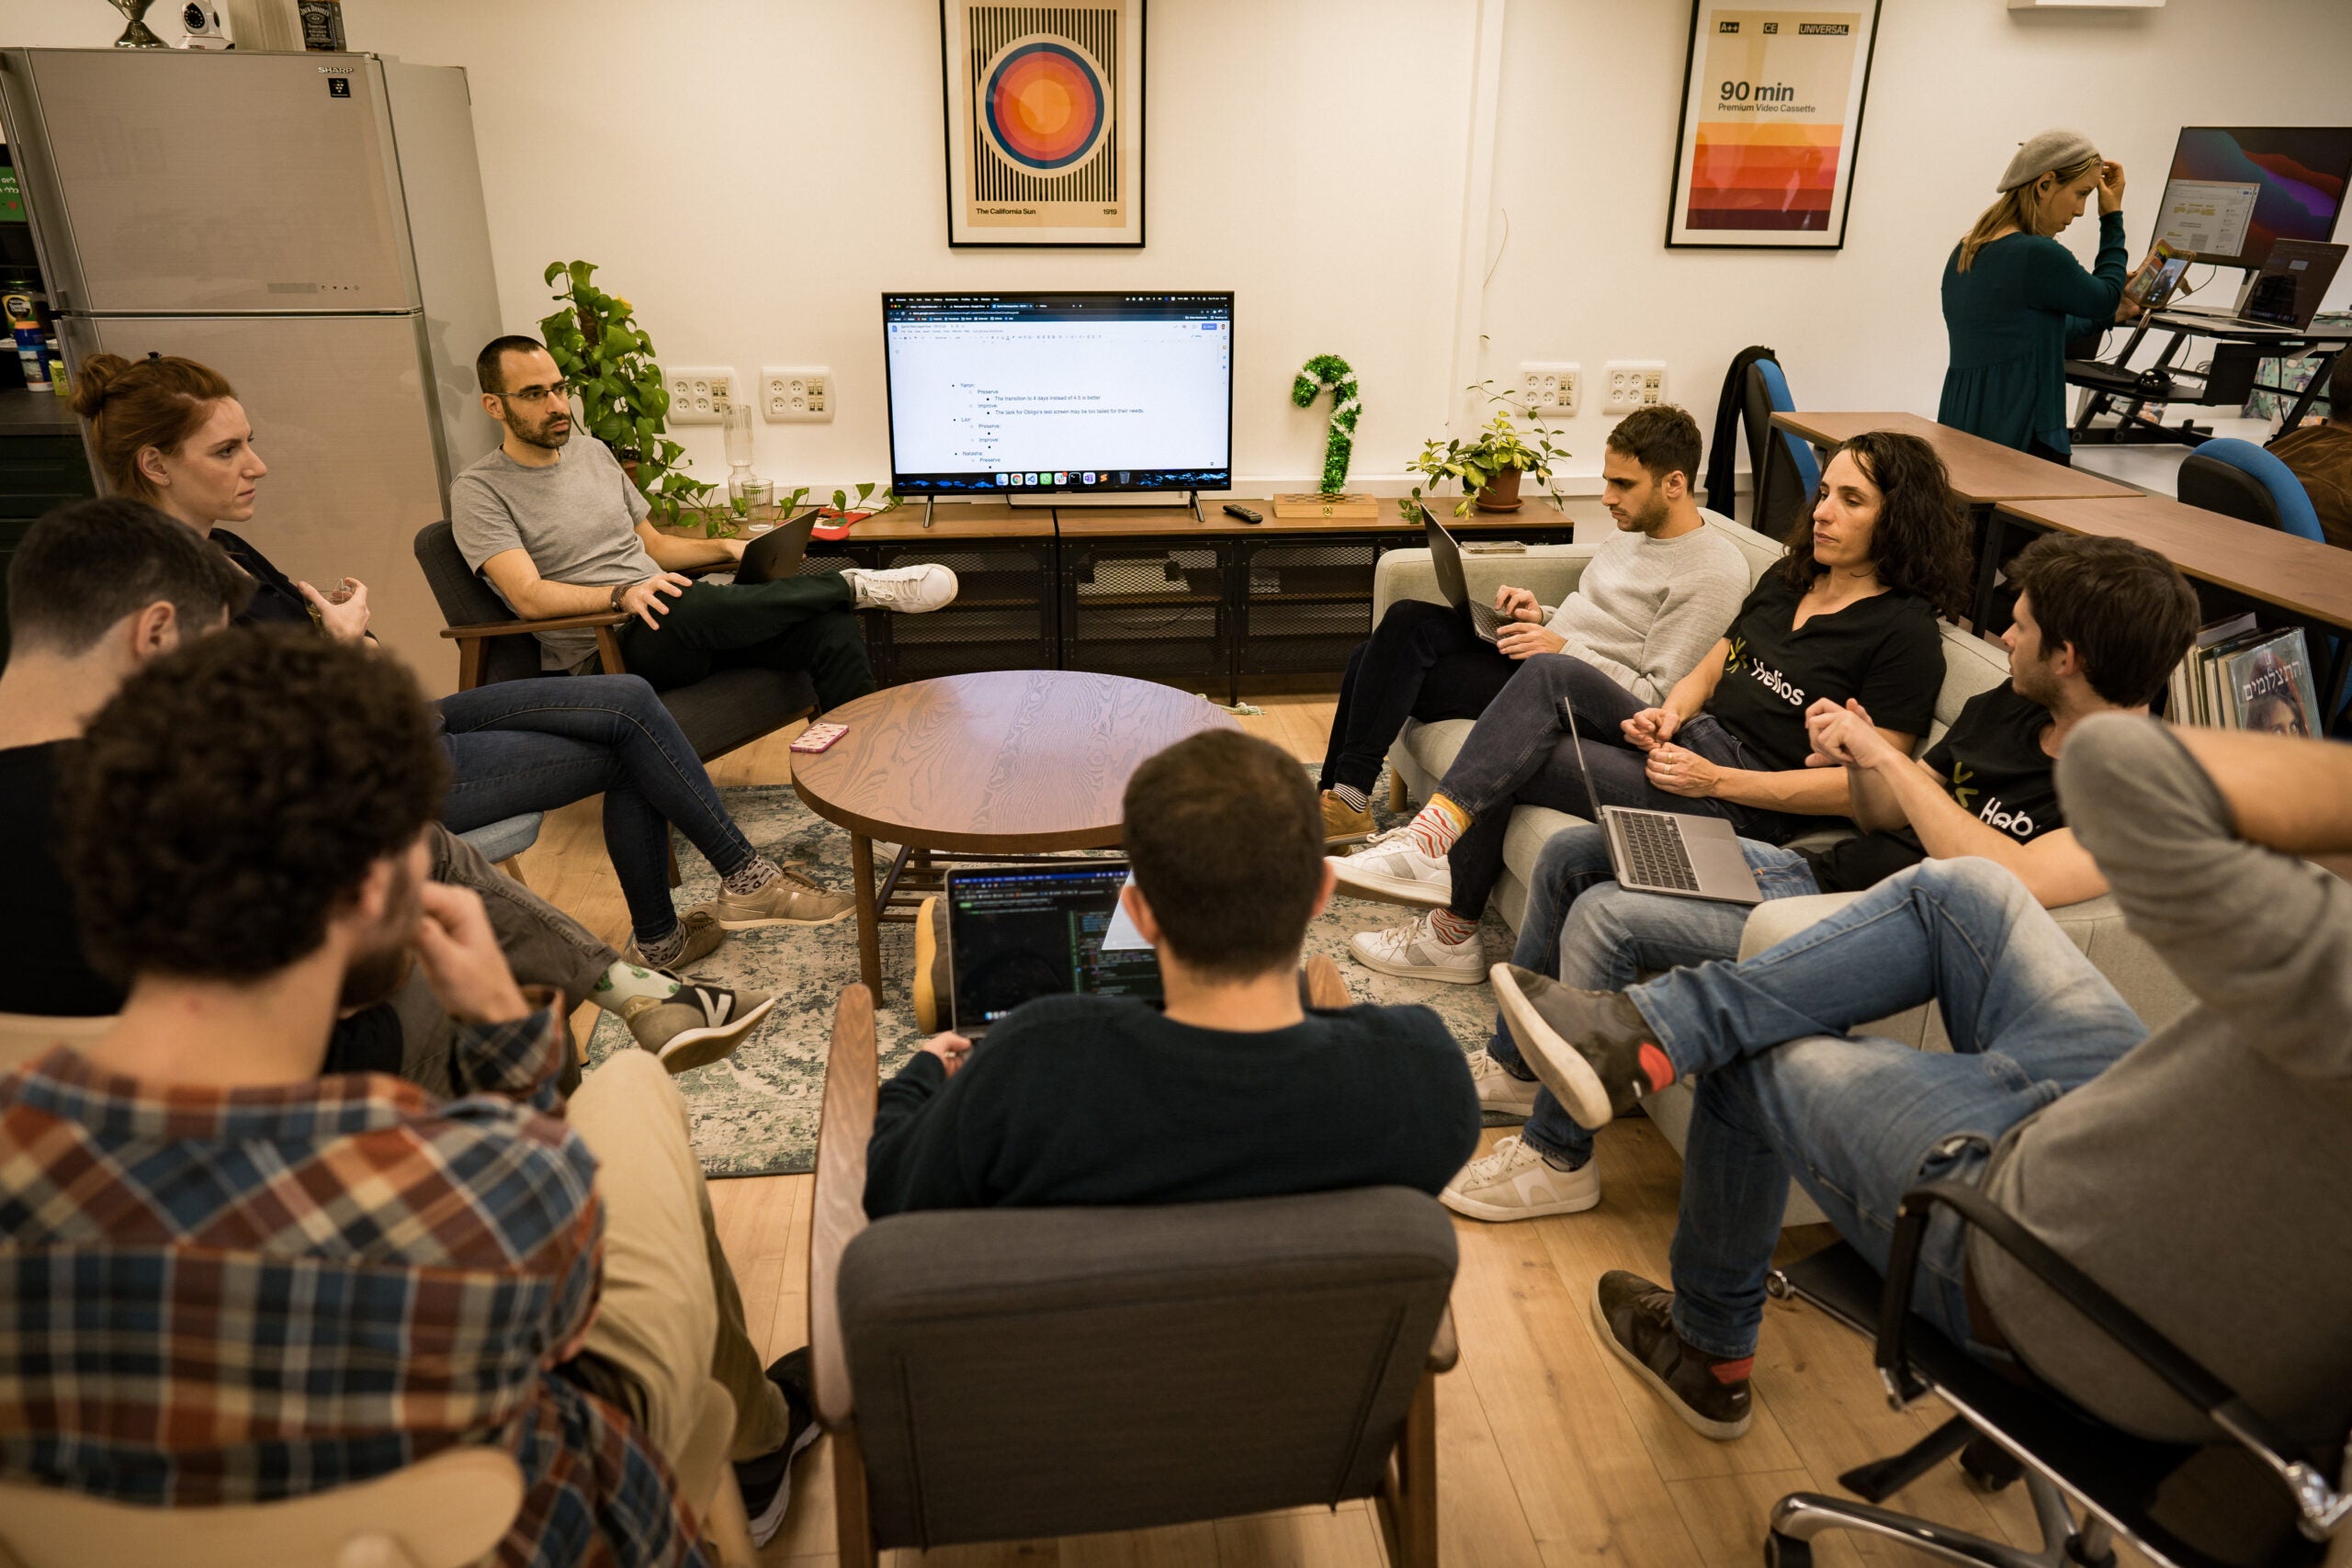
(2010, 316)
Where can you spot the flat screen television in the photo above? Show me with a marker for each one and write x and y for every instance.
(2234, 190)
(1006, 395)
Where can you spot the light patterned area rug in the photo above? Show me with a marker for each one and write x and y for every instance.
(755, 1113)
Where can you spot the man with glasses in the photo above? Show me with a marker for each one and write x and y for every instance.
(561, 530)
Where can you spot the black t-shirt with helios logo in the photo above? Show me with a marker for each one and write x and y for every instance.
(1992, 763)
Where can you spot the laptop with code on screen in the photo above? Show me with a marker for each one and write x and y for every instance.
(1018, 932)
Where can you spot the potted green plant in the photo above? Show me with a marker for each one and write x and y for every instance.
(607, 360)
(1491, 466)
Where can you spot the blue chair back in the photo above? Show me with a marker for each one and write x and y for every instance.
(2243, 481)
(1776, 391)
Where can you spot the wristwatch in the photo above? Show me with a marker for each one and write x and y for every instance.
(618, 590)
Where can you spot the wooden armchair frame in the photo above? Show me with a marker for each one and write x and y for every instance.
(1408, 1504)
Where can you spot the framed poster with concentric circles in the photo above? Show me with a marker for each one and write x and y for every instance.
(1045, 123)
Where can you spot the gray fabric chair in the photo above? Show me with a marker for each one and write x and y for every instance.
(1006, 1374)
(731, 708)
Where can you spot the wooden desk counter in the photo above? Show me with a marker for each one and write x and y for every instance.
(2303, 577)
(1983, 472)
(962, 520)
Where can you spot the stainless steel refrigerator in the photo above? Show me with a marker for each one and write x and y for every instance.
(312, 226)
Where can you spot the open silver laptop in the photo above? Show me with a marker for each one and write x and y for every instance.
(1679, 854)
(1445, 560)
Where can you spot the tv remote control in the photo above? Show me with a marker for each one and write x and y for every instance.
(1235, 508)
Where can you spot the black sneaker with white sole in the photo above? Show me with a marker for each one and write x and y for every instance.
(1593, 1049)
(1635, 1319)
(766, 1482)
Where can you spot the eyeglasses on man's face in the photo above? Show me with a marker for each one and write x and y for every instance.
(532, 397)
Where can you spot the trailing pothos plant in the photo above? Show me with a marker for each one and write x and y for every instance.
(1497, 447)
(607, 360)
(723, 517)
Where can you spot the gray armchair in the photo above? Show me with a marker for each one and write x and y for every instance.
(1005, 1374)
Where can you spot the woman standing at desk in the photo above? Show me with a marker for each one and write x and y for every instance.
(2013, 295)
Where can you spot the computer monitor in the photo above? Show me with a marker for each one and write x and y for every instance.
(2234, 190)
(1021, 394)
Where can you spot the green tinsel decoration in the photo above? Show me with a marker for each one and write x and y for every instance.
(1328, 371)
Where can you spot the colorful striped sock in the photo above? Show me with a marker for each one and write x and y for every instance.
(1438, 825)
(1451, 928)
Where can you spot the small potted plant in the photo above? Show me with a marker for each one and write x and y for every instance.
(1490, 467)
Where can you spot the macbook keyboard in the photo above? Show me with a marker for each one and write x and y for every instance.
(1653, 842)
(1486, 620)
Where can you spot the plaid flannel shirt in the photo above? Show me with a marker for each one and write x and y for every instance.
(228, 1296)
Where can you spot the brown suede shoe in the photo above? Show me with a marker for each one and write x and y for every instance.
(1342, 823)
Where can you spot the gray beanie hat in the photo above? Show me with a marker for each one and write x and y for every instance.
(2050, 150)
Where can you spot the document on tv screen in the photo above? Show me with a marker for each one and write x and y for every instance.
(982, 395)
(2210, 217)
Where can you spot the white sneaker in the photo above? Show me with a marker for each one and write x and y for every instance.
(1393, 869)
(1418, 952)
(909, 590)
(1517, 1183)
(1498, 1091)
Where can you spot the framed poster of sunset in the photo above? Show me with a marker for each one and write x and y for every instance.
(1045, 122)
(1771, 117)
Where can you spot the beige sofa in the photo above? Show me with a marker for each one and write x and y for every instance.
(1420, 758)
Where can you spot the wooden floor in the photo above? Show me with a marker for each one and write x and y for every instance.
(1550, 1453)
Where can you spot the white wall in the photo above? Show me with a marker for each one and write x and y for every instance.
(752, 173)
(761, 172)
(1584, 167)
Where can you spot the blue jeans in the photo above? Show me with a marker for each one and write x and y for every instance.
(533, 745)
(1782, 1091)
(1581, 925)
(1519, 752)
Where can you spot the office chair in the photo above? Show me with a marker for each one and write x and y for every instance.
(1775, 509)
(2252, 1500)
(2241, 480)
(1009, 1373)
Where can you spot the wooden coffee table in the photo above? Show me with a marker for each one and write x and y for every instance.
(989, 767)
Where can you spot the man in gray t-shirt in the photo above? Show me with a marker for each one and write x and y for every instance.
(2201, 1174)
(558, 530)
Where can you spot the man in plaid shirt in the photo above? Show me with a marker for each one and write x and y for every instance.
(224, 1279)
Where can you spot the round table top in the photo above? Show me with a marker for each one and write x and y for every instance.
(1010, 762)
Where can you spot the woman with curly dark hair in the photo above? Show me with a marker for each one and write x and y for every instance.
(1849, 613)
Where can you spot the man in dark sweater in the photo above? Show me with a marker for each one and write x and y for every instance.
(1234, 1091)
(99, 588)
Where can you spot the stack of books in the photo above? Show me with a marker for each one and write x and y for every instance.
(2238, 677)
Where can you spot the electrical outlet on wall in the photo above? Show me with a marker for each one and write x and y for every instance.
(1635, 383)
(698, 394)
(1551, 390)
(796, 392)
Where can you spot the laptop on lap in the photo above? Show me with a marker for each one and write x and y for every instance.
(1680, 853)
(1445, 555)
(1019, 933)
(776, 554)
